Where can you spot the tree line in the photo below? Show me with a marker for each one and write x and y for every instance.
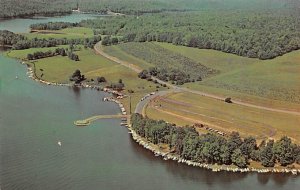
(56, 52)
(41, 55)
(255, 34)
(19, 42)
(14, 8)
(53, 42)
(53, 25)
(215, 149)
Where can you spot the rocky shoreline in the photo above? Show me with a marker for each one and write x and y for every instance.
(30, 74)
(214, 168)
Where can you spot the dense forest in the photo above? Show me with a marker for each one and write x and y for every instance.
(254, 34)
(13, 8)
(8, 38)
(216, 149)
(138, 7)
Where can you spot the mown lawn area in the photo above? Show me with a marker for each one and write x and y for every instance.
(185, 108)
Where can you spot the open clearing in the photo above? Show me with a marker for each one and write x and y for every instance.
(185, 108)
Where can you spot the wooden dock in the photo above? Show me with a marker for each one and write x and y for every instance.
(89, 120)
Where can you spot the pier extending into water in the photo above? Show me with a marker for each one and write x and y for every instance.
(89, 120)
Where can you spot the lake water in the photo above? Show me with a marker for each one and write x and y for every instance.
(34, 117)
(21, 25)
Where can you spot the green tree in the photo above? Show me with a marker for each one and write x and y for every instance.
(267, 156)
(234, 141)
(255, 155)
(238, 158)
(101, 79)
(225, 154)
(106, 41)
(284, 151)
(248, 146)
(77, 77)
(30, 56)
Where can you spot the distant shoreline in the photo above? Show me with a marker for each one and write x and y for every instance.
(31, 16)
(37, 15)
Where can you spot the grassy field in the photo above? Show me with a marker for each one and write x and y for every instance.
(116, 51)
(184, 108)
(223, 62)
(276, 79)
(273, 83)
(149, 54)
(69, 33)
(58, 69)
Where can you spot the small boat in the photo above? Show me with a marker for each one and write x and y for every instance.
(59, 143)
(17, 77)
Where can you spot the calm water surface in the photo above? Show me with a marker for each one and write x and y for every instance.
(34, 117)
(21, 25)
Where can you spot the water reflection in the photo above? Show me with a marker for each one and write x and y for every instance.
(76, 90)
(21, 25)
(281, 179)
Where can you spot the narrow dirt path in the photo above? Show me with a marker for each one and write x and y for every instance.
(137, 69)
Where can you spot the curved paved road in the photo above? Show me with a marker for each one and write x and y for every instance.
(135, 68)
(141, 105)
